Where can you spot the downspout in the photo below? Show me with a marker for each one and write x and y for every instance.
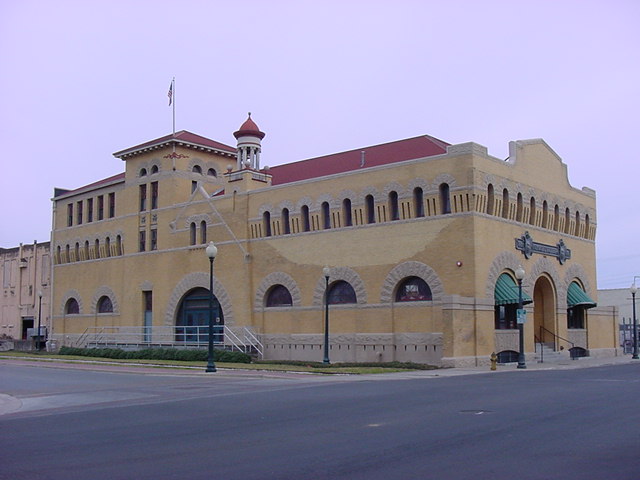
(51, 271)
(36, 287)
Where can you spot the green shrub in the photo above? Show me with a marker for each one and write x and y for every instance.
(403, 365)
(186, 355)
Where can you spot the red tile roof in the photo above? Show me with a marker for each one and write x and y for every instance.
(105, 181)
(352, 160)
(398, 151)
(181, 137)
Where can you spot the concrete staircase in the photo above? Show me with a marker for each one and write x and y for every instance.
(546, 354)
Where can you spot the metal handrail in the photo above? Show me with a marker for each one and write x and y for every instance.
(537, 340)
(253, 339)
(556, 336)
(238, 338)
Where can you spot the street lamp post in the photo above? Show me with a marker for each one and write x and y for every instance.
(39, 318)
(326, 272)
(633, 290)
(211, 250)
(520, 317)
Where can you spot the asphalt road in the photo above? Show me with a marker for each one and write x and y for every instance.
(66, 423)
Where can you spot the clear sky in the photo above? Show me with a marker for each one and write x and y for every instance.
(82, 79)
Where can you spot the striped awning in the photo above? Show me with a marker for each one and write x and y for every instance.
(506, 291)
(576, 297)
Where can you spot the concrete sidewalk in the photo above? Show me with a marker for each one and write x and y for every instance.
(564, 364)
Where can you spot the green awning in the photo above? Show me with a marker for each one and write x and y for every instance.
(576, 297)
(506, 292)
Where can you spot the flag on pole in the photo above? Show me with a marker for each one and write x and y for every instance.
(170, 93)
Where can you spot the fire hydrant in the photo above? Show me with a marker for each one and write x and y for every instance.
(494, 360)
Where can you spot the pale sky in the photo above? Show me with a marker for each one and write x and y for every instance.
(83, 79)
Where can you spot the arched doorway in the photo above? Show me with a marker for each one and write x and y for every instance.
(192, 320)
(544, 311)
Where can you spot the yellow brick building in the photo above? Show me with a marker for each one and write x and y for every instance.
(422, 240)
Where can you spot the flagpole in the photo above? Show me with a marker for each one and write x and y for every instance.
(172, 102)
(174, 107)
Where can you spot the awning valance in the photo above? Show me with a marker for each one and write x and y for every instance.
(576, 297)
(506, 291)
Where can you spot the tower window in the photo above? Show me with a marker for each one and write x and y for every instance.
(445, 198)
(370, 209)
(418, 201)
(393, 206)
(326, 216)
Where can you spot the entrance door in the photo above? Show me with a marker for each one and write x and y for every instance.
(27, 323)
(148, 315)
(192, 324)
(544, 311)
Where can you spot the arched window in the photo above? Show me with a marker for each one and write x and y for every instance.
(203, 232)
(306, 224)
(326, 216)
(418, 202)
(197, 169)
(97, 248)
(86, 250)
(286, 224)
(192, 233)
(154, 169)
(577, 232)
(192, 321)
(143, 172)
(445, 199)
(519, 208)
(413, 289)
(578, 302)
(67, 253)
(370, 209)
(506, 294)
(58, 255)
(490, 199)
(532, 211)
(107, 247)
(72, 307)
(266, 223)
(77, 252)
(505, 203)
(508, 356)
(587, 226)
(556, 217)
(278, 296)
(341, 292)
(394, 213)
(105, 305)
(545, 214)
(118, 245)
(212, 172)
(567, 220)
(346, 212)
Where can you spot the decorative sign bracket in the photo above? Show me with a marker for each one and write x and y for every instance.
(528, 247)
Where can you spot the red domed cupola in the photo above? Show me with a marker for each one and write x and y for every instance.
(249, 146)
(249, 128)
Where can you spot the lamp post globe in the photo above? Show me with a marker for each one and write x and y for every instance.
(519, 273)
(633, 291)
(211, 252)
(520, 315)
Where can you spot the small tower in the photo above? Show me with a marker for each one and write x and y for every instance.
(249, 137)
